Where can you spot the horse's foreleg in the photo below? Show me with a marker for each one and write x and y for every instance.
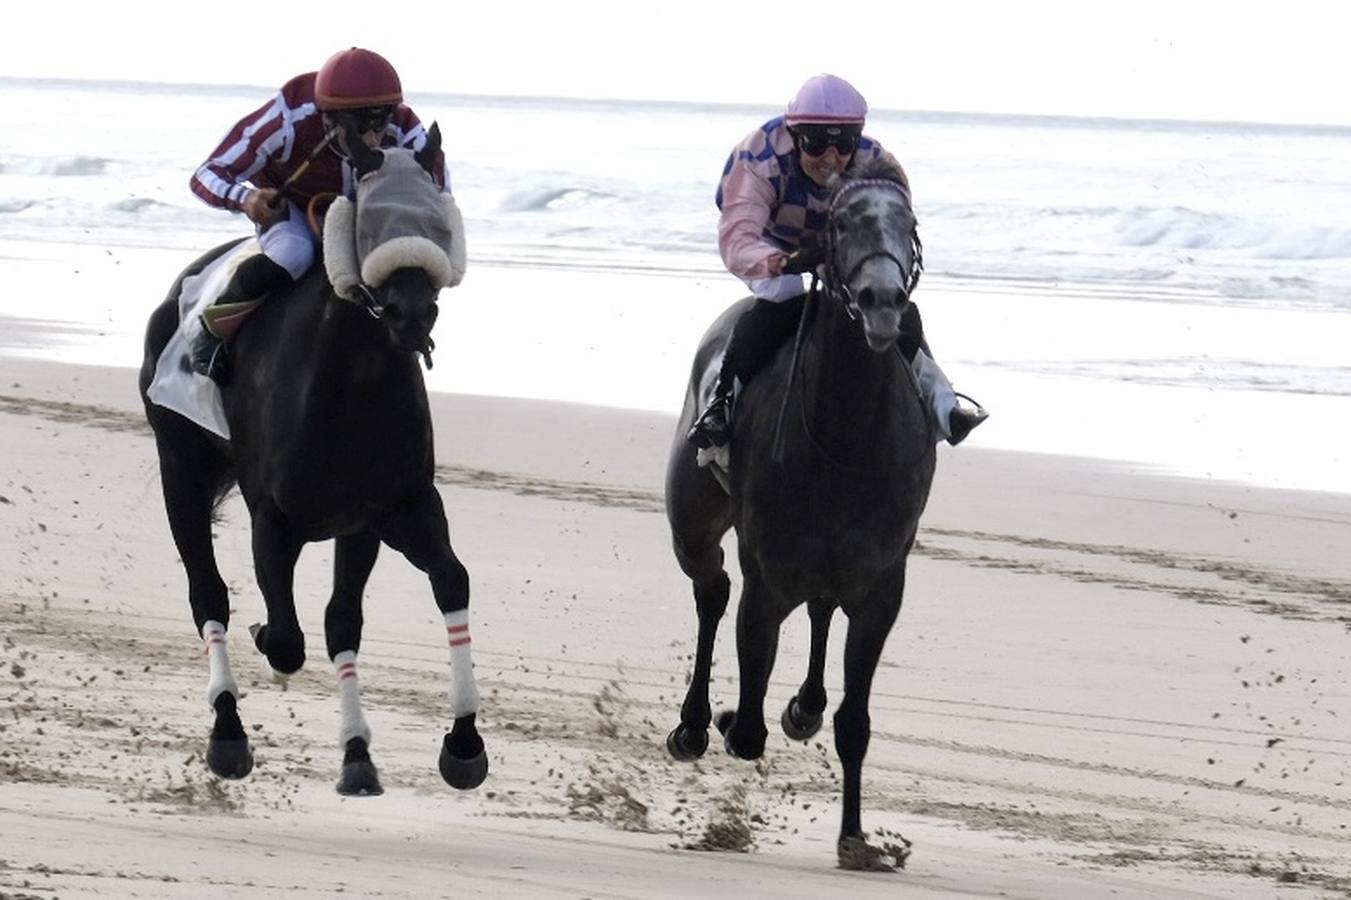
(712, 587)
(353, 558)
(422, 536)
(275, 551)
(802, 716)
(757, 643)
(869, 626)
(227, 750)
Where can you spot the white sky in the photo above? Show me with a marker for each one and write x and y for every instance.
(1271, 61)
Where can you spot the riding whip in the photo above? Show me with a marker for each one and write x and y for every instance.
(277, 201)
(792, 370)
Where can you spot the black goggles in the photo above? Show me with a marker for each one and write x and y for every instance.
(364, 120)
(814, 139)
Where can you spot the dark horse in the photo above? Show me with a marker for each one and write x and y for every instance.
(832, 521)
(330, 437)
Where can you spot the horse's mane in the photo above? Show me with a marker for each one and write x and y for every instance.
(878, 169)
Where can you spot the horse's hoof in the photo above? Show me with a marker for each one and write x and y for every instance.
(229, 758)
(462, 774)
(271, 676)
(798, 725)
(359, 779)
(687, 744)
(726, 722)
(281, 659)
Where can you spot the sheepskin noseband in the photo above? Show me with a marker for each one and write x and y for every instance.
(400, 220)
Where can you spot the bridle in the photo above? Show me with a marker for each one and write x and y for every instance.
(837, 285)
(367, 300)
(828, 278)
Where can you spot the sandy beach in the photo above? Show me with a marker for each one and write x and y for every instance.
(1105, 681)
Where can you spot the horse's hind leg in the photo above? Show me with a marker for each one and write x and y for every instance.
(757, 643)
(275, 551)
(420, 534)
(869, 626)
(192, 472)
(689, 739)
(353, 558)
(802, 716)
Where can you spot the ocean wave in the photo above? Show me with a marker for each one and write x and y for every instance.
(548, 199)
(1179, 228)
(56, 166)
(139, 204)
(1213, 373)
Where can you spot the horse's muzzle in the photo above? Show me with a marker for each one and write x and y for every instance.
(882, 325)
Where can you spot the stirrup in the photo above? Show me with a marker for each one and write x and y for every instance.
(210, 357)
(962, 421)
(713, 428)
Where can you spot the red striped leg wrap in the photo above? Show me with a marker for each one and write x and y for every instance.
(464, 697)
(349, 698)
(220, 680)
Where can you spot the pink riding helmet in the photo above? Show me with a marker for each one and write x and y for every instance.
(827, 99)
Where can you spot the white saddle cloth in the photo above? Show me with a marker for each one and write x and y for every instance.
(176, 386)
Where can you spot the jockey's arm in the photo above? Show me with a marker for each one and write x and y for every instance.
(747, 207)
(223, 180)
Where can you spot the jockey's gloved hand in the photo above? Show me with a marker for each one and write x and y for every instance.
(806, 258)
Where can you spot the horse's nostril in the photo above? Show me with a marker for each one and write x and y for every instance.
(866, 298)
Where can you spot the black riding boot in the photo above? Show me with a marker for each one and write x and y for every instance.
(756, 336)
(255, 277)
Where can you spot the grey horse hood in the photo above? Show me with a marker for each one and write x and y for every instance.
(400, 219)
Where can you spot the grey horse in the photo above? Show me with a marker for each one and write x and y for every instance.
(827, 510)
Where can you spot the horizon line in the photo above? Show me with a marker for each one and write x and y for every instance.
(222, 87)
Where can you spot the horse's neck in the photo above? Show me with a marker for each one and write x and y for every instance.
(853, 398)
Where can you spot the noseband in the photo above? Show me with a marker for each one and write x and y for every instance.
(839, 286)
(369, 302)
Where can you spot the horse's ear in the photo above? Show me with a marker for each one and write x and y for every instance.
(426, 157)
(364, 159)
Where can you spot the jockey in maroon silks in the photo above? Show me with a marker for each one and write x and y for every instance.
(279, 157)
(774, 200)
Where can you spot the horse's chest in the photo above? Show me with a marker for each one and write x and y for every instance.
(827, 541)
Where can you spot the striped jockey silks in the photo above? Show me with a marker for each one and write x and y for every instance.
(768, 203)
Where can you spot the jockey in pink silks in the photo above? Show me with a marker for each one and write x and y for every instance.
(775, 200)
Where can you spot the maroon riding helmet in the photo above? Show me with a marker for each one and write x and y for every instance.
(357, 79)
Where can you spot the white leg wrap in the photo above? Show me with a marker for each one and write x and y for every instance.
(935, 388)
(349, 695)
(218, 662)
(463, 690)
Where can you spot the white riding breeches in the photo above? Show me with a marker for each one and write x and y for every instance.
(289, 243)
(776, 288)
